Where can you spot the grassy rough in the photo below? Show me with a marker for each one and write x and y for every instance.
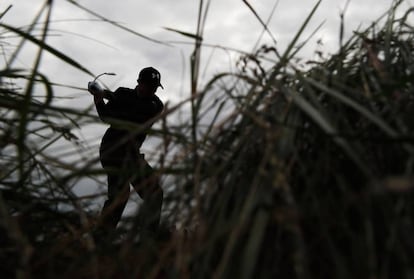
(280, 172)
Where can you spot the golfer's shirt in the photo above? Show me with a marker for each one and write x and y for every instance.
(124, 110)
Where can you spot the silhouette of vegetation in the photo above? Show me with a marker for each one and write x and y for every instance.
(283, 169)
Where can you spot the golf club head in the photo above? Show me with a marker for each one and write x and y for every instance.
(108, 74)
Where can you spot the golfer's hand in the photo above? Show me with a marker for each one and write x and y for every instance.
(94, 88)
(96, 91)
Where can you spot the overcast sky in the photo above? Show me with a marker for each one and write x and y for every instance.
(102, 47)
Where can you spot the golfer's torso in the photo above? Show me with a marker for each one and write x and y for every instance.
(128, 109)
(126, 105)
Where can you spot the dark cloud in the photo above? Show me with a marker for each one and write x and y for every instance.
(103, 47)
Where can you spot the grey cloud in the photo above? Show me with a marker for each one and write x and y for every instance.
(229, 23)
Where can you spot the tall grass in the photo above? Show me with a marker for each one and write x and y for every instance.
(281, 171)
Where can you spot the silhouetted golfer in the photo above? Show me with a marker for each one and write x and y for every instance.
(120, 148)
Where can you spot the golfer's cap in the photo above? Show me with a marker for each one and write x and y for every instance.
(151, 76)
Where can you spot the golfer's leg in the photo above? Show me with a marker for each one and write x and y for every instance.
(118, 193)
(148, 187)
(151, 207)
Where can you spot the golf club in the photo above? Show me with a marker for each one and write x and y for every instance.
(94, 85)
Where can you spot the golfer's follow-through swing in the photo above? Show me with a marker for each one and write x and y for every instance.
(120, 148)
